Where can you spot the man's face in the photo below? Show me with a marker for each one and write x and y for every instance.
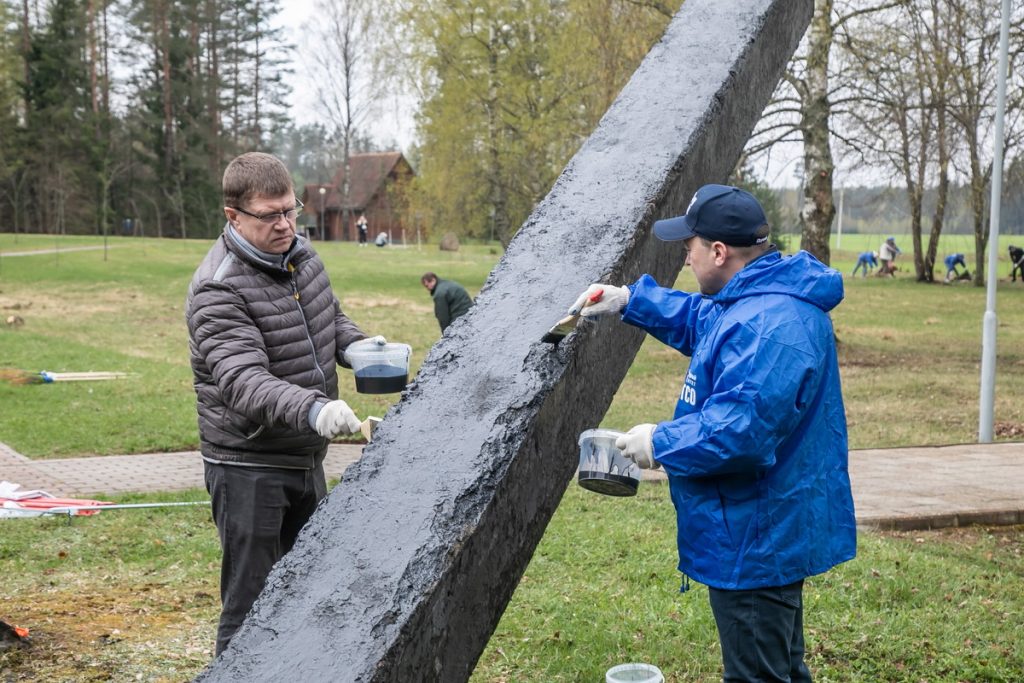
(706, 260)
(430, 284)
(274, 237)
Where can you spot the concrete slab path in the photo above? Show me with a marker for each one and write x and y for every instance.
(894, 488)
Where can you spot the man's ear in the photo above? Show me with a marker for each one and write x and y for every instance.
(721, 251)
(231, 214)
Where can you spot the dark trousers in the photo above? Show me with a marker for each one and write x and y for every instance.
(258, 512)
(762, 633)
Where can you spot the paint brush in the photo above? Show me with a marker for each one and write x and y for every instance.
(566, 325)
(45, 377)
(367, 427)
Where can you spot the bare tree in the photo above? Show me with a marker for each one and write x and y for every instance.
(973, 41)
(343, 67)
(803, 109)
(897, 70)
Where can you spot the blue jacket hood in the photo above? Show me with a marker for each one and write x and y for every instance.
(800, 275)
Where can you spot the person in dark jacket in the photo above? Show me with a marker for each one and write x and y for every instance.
(450, 298)
(756, 453)
(266, 333)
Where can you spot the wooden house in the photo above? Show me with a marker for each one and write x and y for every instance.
(378, 183)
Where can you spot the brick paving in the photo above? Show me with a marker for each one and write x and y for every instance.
(109, 475)
(896, 488)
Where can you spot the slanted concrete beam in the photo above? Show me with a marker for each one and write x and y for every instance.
(404, 571)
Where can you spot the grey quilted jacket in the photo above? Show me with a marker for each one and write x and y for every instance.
(265, 337)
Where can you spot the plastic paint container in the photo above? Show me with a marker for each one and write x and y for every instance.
(634, 673)
(603, 467)
(381, 369)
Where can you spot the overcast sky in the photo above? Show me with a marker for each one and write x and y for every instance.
(395, 122)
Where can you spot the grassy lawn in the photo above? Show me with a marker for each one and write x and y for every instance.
(909, 352)
(133, 594)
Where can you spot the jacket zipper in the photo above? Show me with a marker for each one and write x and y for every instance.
(305, 325)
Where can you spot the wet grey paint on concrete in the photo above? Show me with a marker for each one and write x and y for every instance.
(405, 569)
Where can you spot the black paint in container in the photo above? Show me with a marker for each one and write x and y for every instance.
(381, 379)
(380, 368)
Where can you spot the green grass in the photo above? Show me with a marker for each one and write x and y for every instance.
(132, 595)
(906, 349)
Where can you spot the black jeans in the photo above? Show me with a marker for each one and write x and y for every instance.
(258, 512)
(762, 633)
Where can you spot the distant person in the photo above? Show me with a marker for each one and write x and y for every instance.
(887, 254)
(266, 334)
(364, 228)
(1016, 263)
(952, 261)
(382, 240)
(866, 262)
(450, 298)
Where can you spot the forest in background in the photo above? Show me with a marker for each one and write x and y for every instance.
(112, 109)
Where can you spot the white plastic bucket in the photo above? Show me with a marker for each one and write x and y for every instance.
(380, 369)
(634, 673)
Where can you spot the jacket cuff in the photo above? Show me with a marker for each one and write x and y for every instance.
(314, 412)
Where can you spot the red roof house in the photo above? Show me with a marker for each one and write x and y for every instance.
(378, 184)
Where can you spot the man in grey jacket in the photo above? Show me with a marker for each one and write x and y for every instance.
(266, 333)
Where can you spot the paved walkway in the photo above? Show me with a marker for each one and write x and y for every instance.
(898, 488)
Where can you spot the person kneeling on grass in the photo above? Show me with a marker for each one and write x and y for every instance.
(952, 261)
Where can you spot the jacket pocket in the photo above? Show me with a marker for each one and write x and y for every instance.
(257, 432)
(739, 502)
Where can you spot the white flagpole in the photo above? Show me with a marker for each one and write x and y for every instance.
(990, 322)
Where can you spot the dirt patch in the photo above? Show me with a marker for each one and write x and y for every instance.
(1009, 430)
(124, 632)
(371, 302)
(76, 302)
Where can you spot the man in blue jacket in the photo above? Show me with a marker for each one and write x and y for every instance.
(756, 453)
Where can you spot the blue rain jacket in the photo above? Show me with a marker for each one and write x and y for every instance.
(756, 454)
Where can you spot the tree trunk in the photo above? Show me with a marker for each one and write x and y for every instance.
(818, 208)
(90, 38)
(978, 185)
(165, 70)
(499, 205)
(213, 86)
(26, 47)
(942, 132)
(256, 128)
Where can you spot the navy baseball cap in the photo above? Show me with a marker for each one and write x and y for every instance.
(721, 213)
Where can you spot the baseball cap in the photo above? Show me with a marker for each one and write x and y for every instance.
(722, 213)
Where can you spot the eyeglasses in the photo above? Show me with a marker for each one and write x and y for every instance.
(271, 218)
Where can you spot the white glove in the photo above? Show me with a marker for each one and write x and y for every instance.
(336, 418)
(356, 345)
(600, 299)
(636, 444)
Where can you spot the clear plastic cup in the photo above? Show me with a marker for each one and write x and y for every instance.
(380, 369)
(634, 673)
(603, 467)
